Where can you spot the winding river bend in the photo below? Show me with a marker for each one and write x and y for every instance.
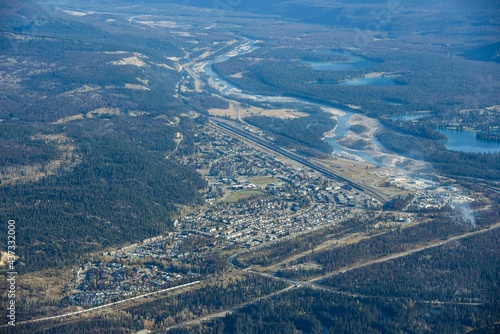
(457, 141)
(229, 90)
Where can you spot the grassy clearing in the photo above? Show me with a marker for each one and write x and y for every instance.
(263, 180)
(243, 194)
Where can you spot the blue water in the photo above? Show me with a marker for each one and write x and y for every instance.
(354, 62)
(466, 141)
(342, 127)
(219, 80)
(457, 140)
(340, 131)
(379, 81)
(408, 117)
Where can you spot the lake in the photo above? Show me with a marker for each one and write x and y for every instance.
(354, 62)
(339, 65)
(466, 141)
(377, 81)
(409, 117)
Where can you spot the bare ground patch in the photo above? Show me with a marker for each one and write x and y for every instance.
(69, 119)
(67, 160)
(255, 111)
(4, 258)
(83, 89)
(237, 75)
(100, 112)
(136, 87)
(104, 111)
(133, 61)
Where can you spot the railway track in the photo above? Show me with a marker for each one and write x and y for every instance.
(277, 149)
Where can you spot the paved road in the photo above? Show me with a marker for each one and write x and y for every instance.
(279, 150)
(312, 283)
(105, 305)
(293, 284)
(432, 244)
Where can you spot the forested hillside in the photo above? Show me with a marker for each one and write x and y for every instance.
(88, 116)
(122, 191)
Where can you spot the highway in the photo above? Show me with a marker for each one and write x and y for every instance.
(105, 305)
(277, 149)
(315, 282)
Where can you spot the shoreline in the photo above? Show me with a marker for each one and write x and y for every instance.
(331, 133)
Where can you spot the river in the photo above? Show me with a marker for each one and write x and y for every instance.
(457, 141)
(227, 89)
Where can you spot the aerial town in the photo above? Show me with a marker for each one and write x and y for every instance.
(254, 198)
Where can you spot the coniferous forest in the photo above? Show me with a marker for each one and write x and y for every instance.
(230, 166)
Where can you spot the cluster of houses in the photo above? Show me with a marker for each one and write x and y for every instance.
(131, 270)
(285, 200)
(295, 200)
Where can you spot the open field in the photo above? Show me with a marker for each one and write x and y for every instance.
(263, 180)
(243, 194)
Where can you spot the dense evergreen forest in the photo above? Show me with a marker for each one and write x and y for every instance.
(417, 129)
(316, 311)
(484, 53)
(123, 190)
(465, 271)
(375, 247)
(108, 90)
(488, 134)
(20, 146)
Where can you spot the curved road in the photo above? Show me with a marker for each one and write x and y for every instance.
(314, 285)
